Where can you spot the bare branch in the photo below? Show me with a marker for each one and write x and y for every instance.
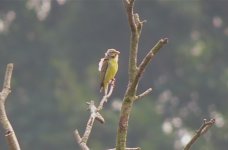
(203, 129)
(148, 91)
(136, 27)
(105, 97)
(79, 141)
(129, 4)
(134, 72)
(150, 55)
(147, 59)
(99, 118)
(9, 132)
(112, 84)
(94, 114)
(8, 75)
(82, 141)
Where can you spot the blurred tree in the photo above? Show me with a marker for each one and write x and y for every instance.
(56, 59)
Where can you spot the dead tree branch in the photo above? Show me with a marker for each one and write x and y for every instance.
(94, 114)
(147, 59)
(148, 91)
(9, 132)
(136, 28)
(134, 72)
(105, 97)
(203, 129)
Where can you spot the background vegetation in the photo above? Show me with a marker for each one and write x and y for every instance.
(56, 46)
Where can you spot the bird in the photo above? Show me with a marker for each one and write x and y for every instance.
(108, 67)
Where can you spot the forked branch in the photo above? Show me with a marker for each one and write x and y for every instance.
(147, 59)
(136, 27)
(148, 91)
(9, 132)
(105, 97)
(94, 115)
(134, 72)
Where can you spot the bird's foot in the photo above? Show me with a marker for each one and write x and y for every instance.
(113, 82)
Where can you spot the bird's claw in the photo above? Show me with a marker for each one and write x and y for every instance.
(113, 81)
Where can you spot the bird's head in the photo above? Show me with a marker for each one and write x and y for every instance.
(112, 53)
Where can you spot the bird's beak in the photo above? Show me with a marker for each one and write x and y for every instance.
(117, 52)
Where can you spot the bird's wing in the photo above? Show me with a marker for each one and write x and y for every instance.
(100, 64)
(103, 65)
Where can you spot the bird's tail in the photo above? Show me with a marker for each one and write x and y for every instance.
(101, 89)
(104, 88)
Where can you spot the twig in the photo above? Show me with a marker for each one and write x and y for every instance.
(82, 141)
(203, 129)
(148, 91)
(79, 140)
(151, 53)
(105, 97)
(147, 59)
(94, 114)
(9, 132)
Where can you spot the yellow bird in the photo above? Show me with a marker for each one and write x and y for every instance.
(108, 67)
